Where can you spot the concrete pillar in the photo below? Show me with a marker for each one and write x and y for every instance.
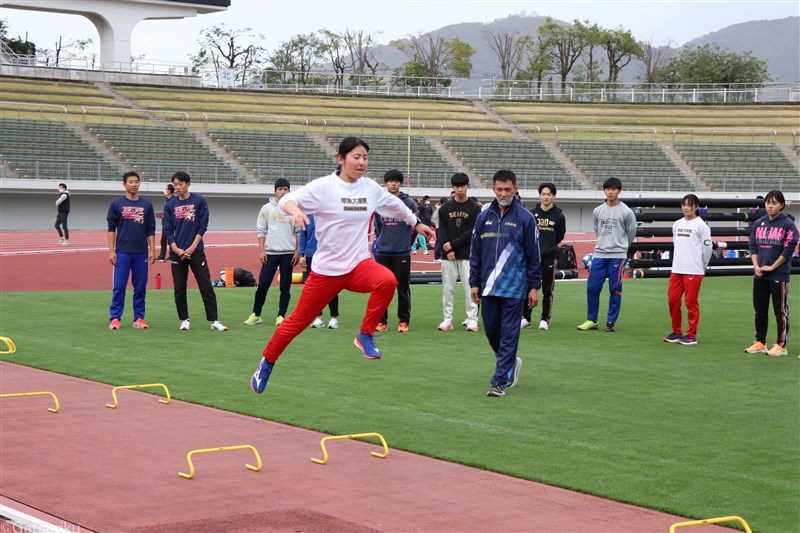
(116, 20)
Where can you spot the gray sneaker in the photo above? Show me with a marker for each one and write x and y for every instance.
(496, 391)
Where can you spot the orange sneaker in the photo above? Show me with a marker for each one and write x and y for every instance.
(380, 327)
(114, 324)
(757, 347)
(402, 328)
(777, 350)
(139, 323)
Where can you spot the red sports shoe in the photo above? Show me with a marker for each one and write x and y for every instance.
(114, 324)
(139, 323)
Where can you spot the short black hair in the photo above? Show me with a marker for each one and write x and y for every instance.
(170, 187)
(182, 177)
(548, 185)
(393, 175)
(692, 199)
(612, 183)
(504, 175)
(282, 182)
(459, 179)
(776, 195)
(63, 185)
(129, 174)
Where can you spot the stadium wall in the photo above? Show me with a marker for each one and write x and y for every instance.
(29, 205)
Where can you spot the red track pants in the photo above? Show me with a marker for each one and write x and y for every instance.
(367, 277)
(680, 284)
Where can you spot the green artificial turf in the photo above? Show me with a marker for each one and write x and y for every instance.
(700, 431)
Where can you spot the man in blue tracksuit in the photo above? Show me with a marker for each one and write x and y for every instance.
(394, 251)
(131, 248)
(504, 262)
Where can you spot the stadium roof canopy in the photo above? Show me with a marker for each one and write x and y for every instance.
(116, 20)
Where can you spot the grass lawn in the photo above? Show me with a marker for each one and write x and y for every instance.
(699, 431)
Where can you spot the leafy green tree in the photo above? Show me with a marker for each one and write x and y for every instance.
(17, 45)
(539, 61)
(710, 64)
(564, 45)
(236, 49)
(621, 48)
(593, 36)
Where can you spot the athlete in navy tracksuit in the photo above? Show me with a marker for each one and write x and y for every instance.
(131, 248)
(504, 262)
(394, 251)
(773, 239)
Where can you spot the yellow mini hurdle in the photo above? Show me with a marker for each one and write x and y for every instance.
(43, 393)
(356, 436)
(190, 475)
(10, 348)
(711, 521)
(147, 386)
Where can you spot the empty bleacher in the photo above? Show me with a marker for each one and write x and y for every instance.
(426, 167)
(270, 155)
(529, 159)
(157, 152)
(740, 166)
(641, 165)
(44, 149)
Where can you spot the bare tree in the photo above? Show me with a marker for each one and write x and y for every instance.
(510, 51)
(334, 45)
(438, 57)
(655, 59)
(361, 46)
(223, 48)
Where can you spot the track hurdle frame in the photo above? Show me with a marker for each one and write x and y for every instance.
(711, 521)
(42, 393)
(146, 386)
(354, 436)
(9, 344)
(190, 475)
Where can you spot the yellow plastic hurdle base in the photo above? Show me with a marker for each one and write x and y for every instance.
(147, 386)
(356, 436)
(9, 344)
(711, 521)
(43, 393)
(190, 475)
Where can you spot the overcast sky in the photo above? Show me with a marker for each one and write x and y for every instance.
(172, 41)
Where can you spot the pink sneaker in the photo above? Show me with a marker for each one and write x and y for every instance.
(139, 323)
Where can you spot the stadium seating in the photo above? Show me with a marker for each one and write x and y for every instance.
(529, 159)
(276, 154)
(44, 149)
(425, 168)
(641, 165)
(740, 166)
(157, 152)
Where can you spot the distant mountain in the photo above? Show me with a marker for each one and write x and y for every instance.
(777, 41)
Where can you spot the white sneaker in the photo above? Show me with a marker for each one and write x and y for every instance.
(217, 325)
(61, 240)
(446, 325)
(318, 323)
(65, 242)
(333, 324)
(185, 325)
(524, 324)
(427, 252)
(543, 325)
(472, 325)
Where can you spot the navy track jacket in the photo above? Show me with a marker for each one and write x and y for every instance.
(504, 256)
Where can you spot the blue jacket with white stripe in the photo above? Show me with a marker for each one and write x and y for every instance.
(504, 256)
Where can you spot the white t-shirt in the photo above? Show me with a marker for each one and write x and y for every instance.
(692, 239)
(342, 213)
